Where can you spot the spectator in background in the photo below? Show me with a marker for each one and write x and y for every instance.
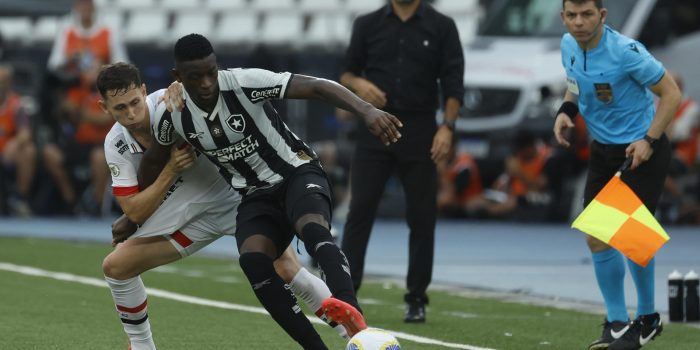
(523, 185)
(396, 57)
(84, 40)
(84, 128)
(16, 145)
(684, 134)
(81, 47)
(460, 183)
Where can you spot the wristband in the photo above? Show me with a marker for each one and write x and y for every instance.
(569, 108)
(652, 141)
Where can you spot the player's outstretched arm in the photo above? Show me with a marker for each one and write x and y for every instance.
(380, 123)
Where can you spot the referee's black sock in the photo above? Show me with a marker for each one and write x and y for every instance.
(278, 301)
(319, 244)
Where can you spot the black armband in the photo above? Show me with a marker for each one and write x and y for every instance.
(569, 108)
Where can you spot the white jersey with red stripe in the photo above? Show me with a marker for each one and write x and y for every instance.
(198, 197)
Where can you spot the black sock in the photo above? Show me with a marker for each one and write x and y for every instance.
(319, 244)
(278, 301)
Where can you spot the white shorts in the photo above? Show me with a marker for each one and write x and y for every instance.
(213, 221)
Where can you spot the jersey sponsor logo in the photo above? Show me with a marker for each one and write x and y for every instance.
(195, 135)
(572, 59)
(604, 93)
(173, 188)
(236, 122)
(309, 186)
(216, 131)
(257, 95)
(121, 147)
(165, 131)
(240, 149)
(113, 169)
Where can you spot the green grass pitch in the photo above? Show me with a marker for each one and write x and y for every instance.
(40, 312)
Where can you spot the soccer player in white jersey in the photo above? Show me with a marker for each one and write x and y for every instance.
(185, 209)
(228, 118)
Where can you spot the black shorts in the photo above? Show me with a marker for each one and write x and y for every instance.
(646, 181)
(272, 212)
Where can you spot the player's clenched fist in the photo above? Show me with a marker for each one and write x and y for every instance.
(383, 125)
(181, 157)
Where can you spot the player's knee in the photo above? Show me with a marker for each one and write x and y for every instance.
(315, 236)
(307, 219)
(286, 268)
(113, 268)
(256, 266)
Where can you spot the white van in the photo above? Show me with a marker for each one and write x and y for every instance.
(513, 75)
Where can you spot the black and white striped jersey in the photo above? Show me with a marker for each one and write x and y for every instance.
(244, 135)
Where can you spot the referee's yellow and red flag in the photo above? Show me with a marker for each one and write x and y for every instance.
(618, 217)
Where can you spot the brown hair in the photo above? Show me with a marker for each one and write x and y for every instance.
(119, 77)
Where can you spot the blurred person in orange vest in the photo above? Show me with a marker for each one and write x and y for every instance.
(523, 182)
(459, 182)
(82, 45)
(16, 146)
(84, 128)
(82, 40)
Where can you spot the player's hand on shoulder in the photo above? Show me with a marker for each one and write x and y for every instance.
(174, 97)
(122, 228)
(562, 123)
(640, 151)
(383, 125)
(182, 157)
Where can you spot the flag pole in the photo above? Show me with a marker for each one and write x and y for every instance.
(625, 165)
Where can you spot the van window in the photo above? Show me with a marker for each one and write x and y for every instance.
(538, 18)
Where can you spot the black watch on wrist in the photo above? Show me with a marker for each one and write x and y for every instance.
(652, 141)
(450, 124)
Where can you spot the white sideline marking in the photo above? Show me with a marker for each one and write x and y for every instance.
(63, 276)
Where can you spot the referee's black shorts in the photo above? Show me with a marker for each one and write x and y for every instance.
(272, 212)
(646, 181)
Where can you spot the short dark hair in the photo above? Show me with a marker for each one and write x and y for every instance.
(598, 3)
(119, 77)
(192, 47)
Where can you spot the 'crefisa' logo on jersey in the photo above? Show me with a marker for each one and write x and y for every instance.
(165, 131)
(236, 123)
(257, 95)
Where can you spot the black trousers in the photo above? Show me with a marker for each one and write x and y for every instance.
(646, 181)
(371, 168)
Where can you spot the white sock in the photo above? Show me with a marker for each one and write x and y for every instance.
(130, 299)
(313, 291)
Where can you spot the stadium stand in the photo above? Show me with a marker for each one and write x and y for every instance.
(282, 28)
(46, 28)
(329, 29)
(238, 27)
(146, 26)
(187, 22)
(16, 28)
(226, 5)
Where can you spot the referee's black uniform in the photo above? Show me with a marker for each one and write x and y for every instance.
(406, 60)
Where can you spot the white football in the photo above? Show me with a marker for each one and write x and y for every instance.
(373, 339)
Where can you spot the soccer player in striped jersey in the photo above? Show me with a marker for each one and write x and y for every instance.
(228, 118)
(186, 208)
